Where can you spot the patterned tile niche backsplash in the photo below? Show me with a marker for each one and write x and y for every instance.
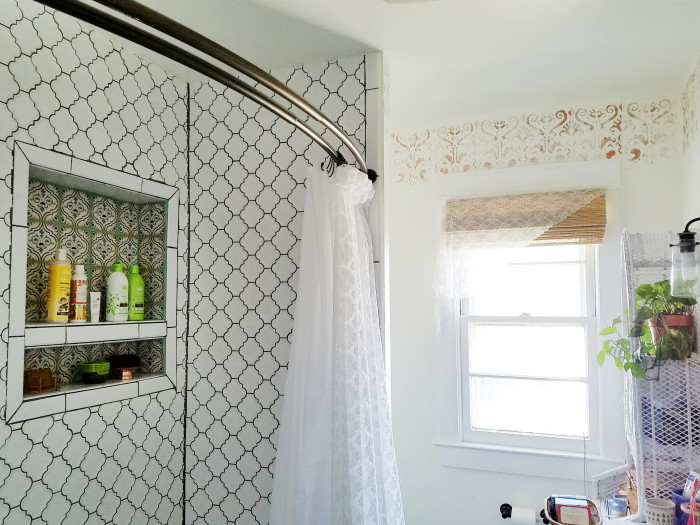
(96, 231)
(65, 360)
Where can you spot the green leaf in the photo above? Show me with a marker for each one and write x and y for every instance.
(601, 357)
(644, 314)
(645, 291)
(637, 371)
(608, 330)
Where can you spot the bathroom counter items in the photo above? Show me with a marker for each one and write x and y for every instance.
(47, 334)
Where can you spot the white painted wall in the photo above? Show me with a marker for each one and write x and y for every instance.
(691, 157)
(647, 200)
(691, 182)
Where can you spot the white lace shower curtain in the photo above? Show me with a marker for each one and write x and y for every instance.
(335, 461)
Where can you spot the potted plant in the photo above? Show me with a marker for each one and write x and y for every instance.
(663, 328)
(667, 316)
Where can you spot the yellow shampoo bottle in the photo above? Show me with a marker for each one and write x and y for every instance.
(58, 297)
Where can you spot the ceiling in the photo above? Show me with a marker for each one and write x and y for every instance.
(450, 61)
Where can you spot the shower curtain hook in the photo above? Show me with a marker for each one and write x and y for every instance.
(329, 165)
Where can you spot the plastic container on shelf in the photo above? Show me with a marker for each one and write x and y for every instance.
(58, 288)
(595, 518)
(679, 499)
(689, 511)
(117, 295)
(659, 511)
(136, 294)
(78, 295)
(94, 373)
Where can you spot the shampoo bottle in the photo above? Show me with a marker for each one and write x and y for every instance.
(78, 295)
(136, 294)
(117, 294)
(58, 297)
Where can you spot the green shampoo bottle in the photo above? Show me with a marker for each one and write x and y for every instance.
(136, 294)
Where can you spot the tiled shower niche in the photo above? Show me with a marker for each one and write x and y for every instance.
(99, 216)
(96, 231)
(88, 66)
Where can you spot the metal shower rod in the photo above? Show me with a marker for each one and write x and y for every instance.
(167, 26)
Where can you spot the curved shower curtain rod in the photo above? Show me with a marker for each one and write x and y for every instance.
(197, 41)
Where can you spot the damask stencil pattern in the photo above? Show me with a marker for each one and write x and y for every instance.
(248, 173)
(689, 102)
(96, 232)
(68, 88)
(631, 132)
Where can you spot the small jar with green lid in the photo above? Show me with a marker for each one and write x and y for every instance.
(94, 372)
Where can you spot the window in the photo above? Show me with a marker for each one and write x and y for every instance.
(523, 271)
(526, 321)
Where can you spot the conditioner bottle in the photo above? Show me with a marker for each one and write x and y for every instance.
(58, 296)
(117, 295)
(136, 294)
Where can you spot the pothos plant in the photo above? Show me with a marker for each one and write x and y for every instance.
(654, 336)
(631, 354)
(656, 300)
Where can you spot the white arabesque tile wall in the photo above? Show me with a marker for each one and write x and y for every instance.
(248, 172)
(70, 89)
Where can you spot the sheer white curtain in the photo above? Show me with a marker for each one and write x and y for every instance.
(335, 459)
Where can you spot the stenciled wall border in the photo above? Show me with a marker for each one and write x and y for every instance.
(635, 131)
(689, 103)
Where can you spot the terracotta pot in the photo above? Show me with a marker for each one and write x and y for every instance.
(659, 324)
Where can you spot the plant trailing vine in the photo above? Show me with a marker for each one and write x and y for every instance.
(653, 338)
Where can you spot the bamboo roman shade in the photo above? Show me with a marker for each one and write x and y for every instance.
(566, 217)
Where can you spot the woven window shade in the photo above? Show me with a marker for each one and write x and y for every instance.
(584, 226)
(568, 217)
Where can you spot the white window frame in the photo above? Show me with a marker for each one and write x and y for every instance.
(451, 450)
(528, 440)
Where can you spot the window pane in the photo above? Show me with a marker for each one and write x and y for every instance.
(524, 405)
(564, 253)
(528, 350)
(512, 282)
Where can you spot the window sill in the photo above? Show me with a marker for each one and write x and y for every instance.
(523, 461)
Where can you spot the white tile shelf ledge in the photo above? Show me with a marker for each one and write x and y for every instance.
(73, 396)
(66, 388)
(49, 334)
(57, 168)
